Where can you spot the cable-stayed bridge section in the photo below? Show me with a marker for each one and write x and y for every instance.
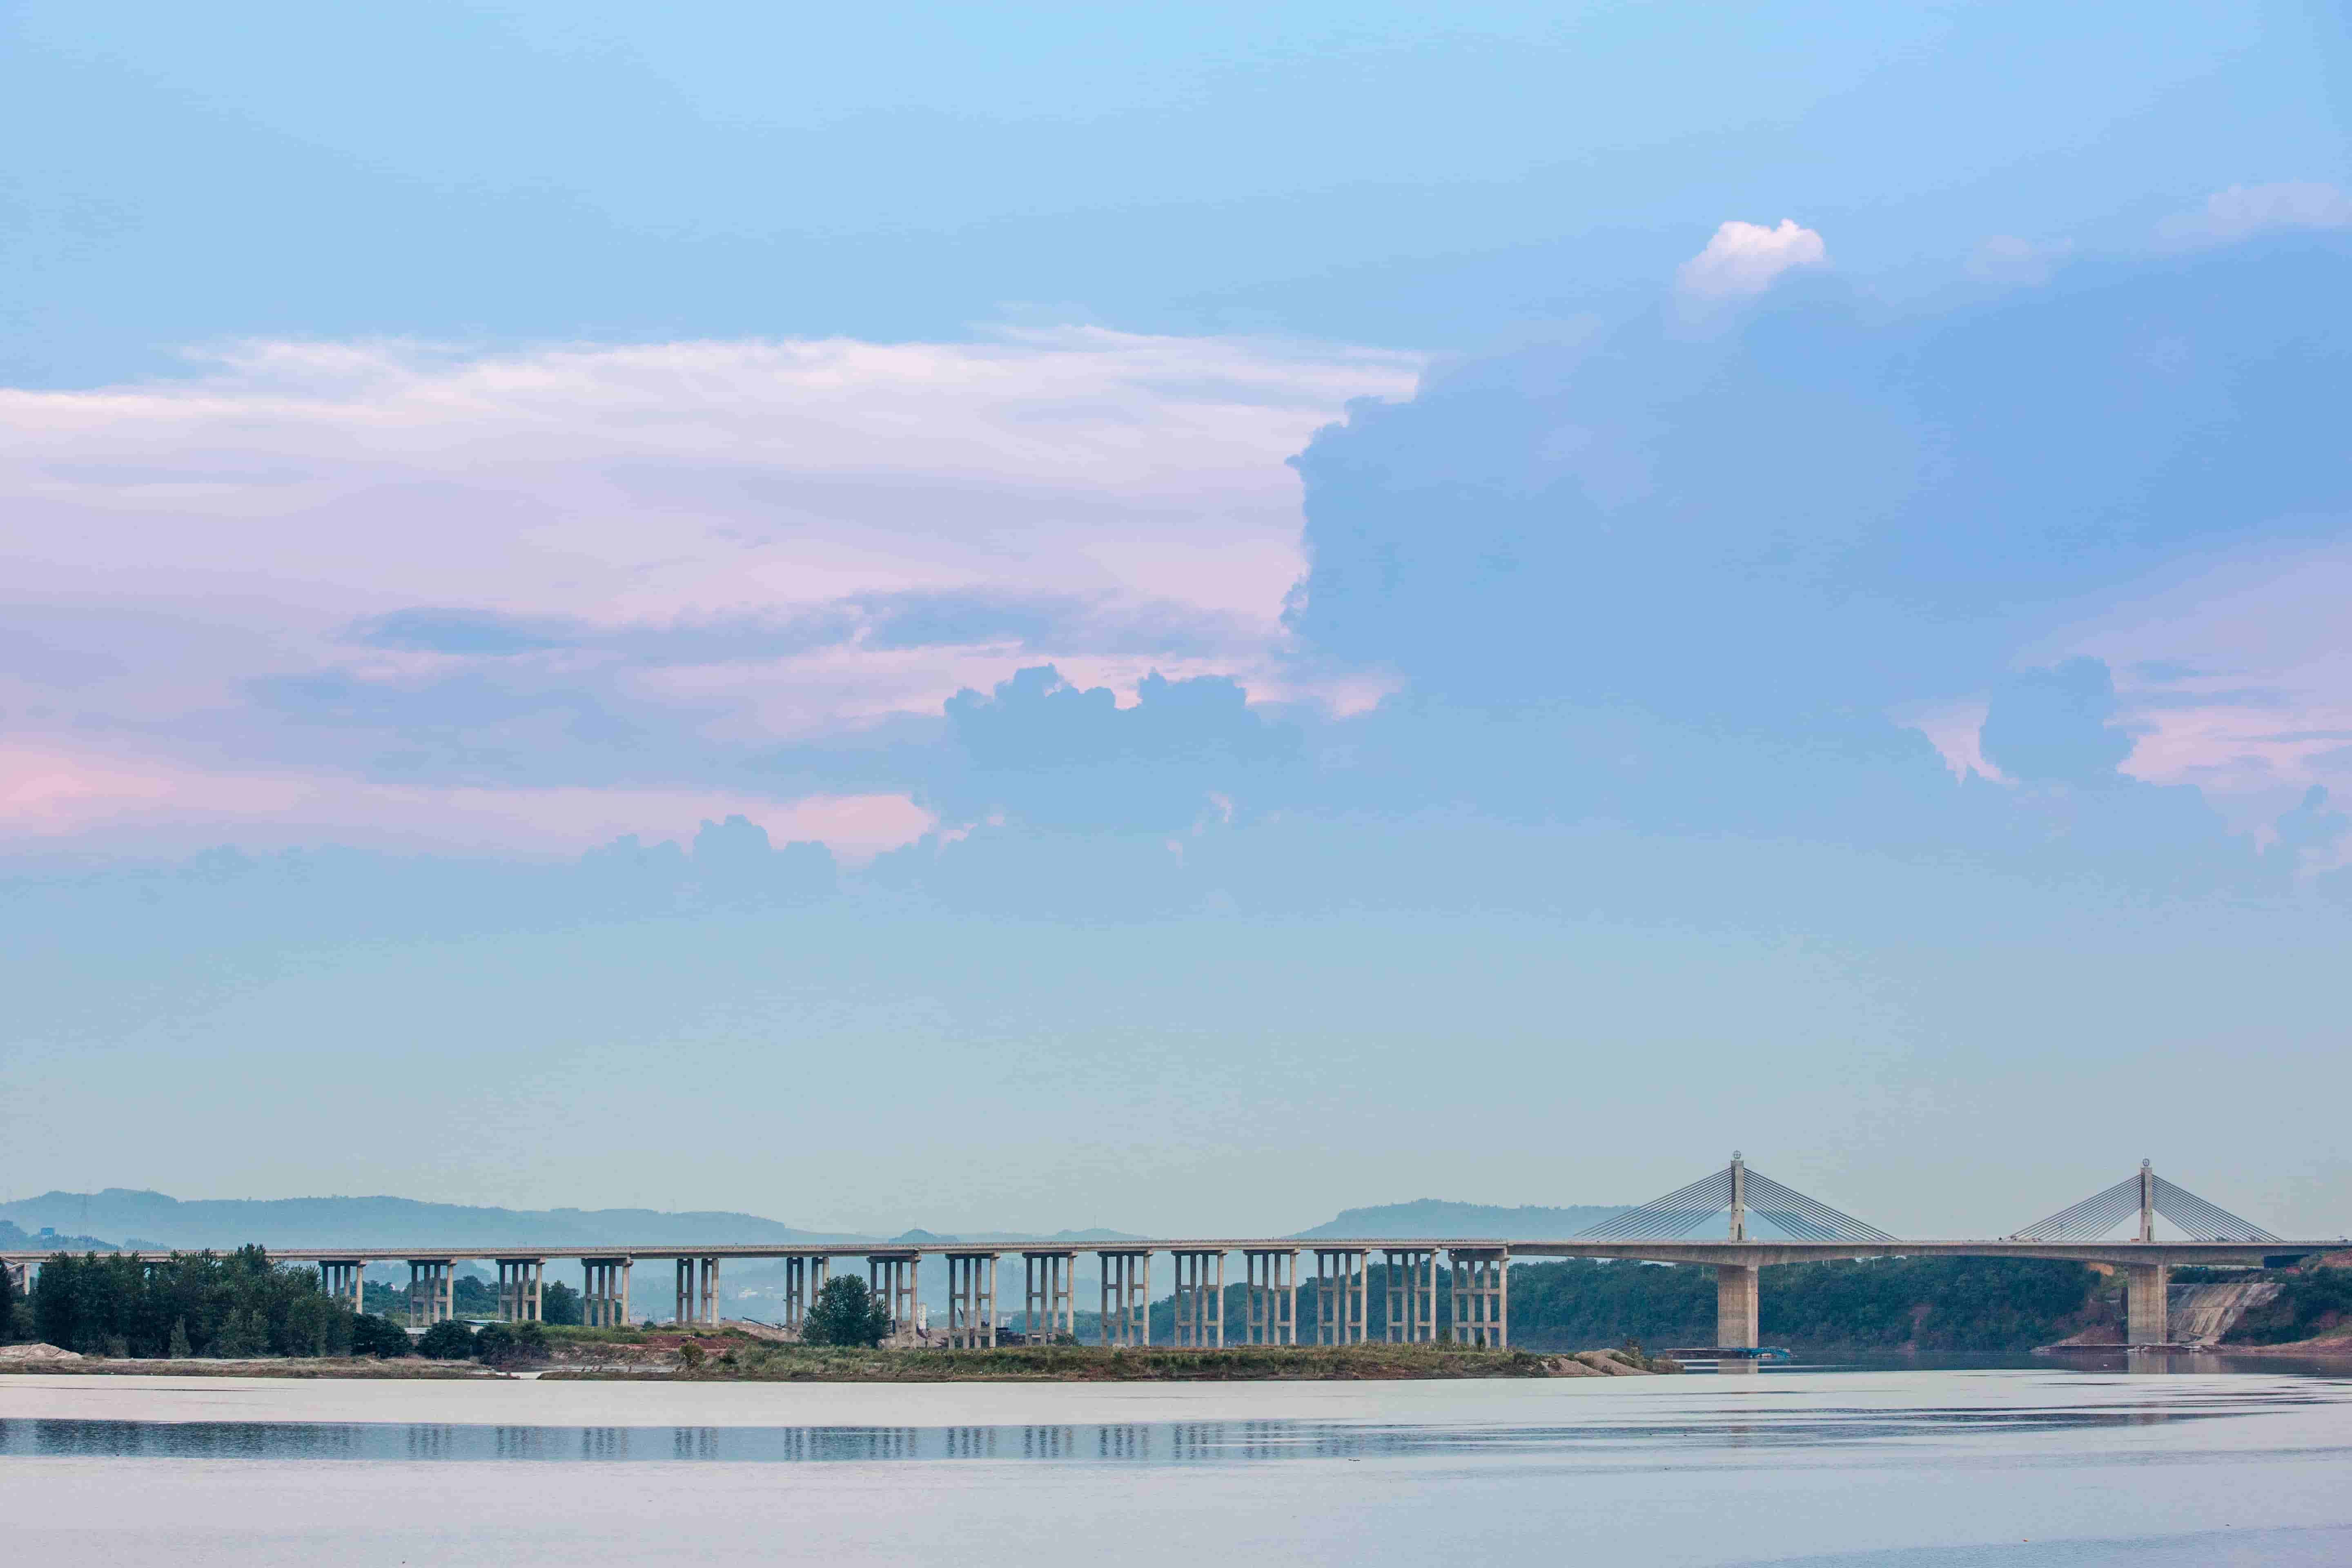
(1761, 1222)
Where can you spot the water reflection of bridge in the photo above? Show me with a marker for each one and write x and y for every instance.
(1761, 1222)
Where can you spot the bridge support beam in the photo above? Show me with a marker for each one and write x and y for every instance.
(1482, 1296)
(522, 1281)
(1200, 1299)
(1736, 1296)
(1270, 1316)
(432, 1292)
(804, 1276)
(341, 1278)
(1411, 1277)
(1339, 1296)
(605, 1300)
(1048, 1305)
(2145, 1317)
(891, 1276)
(697, 1291)
(971, 1301)
(1126, 1298)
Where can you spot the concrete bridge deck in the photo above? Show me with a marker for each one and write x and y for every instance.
(1755, 1254)
(1478, 1283)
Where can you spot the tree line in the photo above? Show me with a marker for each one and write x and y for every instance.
(1922, 1303)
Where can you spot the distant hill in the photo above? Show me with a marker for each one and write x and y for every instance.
(1440, 1216)
(147, 1220)
(154, 1221)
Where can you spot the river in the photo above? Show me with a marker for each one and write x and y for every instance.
(2004, 1468)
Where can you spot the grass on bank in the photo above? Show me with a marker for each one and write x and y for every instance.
(742, 1358)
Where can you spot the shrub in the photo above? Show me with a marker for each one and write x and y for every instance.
(845, 1313)
(510, 1344)
(448, 1340)
(381, 1337)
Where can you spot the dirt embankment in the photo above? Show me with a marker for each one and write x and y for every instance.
(734, 1356)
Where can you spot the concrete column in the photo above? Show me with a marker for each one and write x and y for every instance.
(1200, 1299)
(680, 1316)
(2145, 1310)
(891, 1277)
(1410, 1274)
(606, 1302)
(1736, 1296)
(341, 1278)
(1125, 1297)
(1271, 1316)
(971, 1301)
(432, 1291)
(1049, 1305)
(804, 1278)
(1340, 1286)
(707, 1302)
(1481, 1296)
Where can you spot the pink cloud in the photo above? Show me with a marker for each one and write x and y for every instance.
(240, 521)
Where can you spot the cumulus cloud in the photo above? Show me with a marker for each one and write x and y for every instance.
(2244, 211)
(1747, 258)
(635, 568)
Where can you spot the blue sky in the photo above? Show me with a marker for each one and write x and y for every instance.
(1177, 620)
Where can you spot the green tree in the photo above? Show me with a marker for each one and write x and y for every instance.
(380, 1337)
(560, 1304)
(845, 1313)
(177, 1349)
(240, 1336)
(448, 1340)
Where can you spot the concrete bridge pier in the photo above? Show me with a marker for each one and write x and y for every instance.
(804, 1276)
(1411, 1276)
(1339, 1296)
(2145, 1310)
(522, 1281)
(1200, 1299)
(1736, 1296)
(971, 1301)
(340, 1278)
(1125, 1297)
(1270, 1315)
(891, 1276)
(604, 1302)
(697, 1291)
(432, 1292)
(1049, 1305)
(1482, 1296)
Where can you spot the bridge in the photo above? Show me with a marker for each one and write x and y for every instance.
(1790, 1228)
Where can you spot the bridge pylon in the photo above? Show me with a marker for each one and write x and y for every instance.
(2140, 1199)
(1734, 1194)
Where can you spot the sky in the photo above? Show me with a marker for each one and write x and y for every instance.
(1031, 617)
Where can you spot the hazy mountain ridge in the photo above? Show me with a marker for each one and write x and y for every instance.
(150, 1220)
(1442, 1216)
(155, 1220)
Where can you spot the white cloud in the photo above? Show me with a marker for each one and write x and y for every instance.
(1744, 259)
(2006, 258)
(2244, 211)
(170, 542)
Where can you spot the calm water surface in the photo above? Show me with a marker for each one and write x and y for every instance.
(2017, 1468)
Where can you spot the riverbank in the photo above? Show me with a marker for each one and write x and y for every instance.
(731, 1357)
